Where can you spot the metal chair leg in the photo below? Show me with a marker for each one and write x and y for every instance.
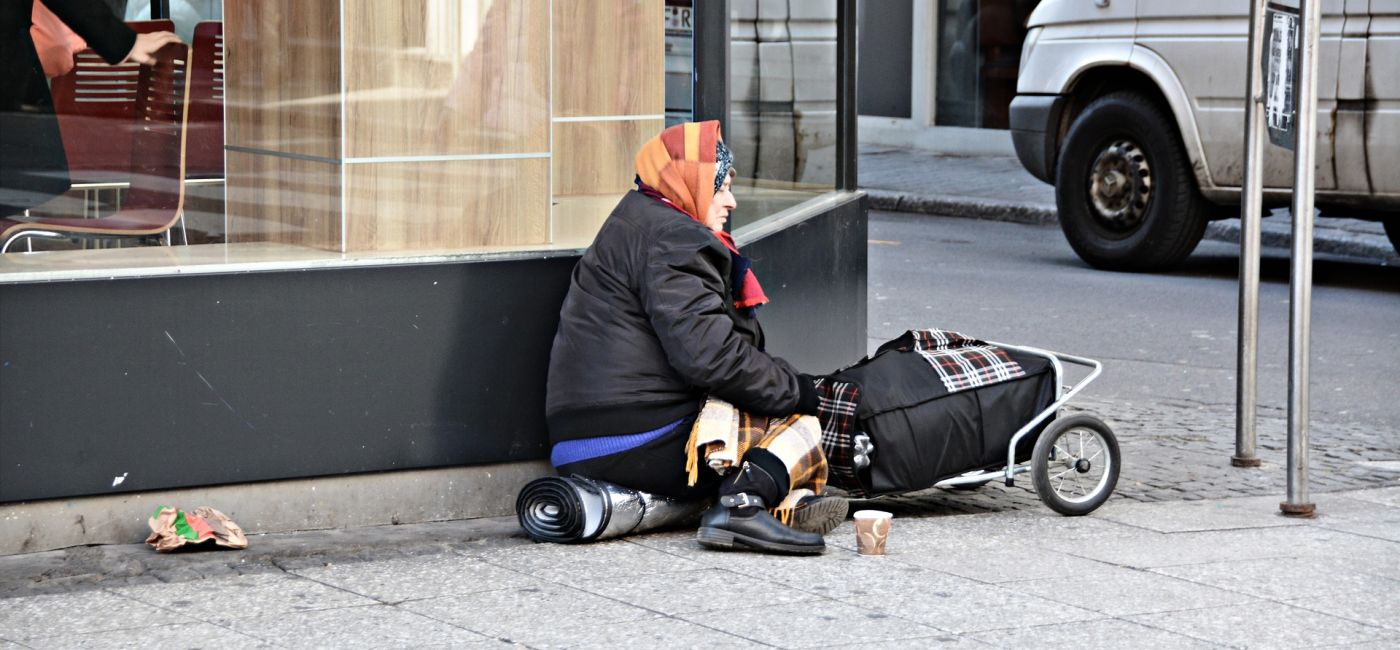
(28, 237)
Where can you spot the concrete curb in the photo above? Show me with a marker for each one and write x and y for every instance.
(81, 568)
(327, 502)
(1333, 241)
(962, 206)
(1276, 233)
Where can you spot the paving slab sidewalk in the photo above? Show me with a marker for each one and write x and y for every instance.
(999, 188)
(1189, 574)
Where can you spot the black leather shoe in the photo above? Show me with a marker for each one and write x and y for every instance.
(740, 522)
(820, 514)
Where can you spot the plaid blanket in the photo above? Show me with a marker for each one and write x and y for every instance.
(836, 410)
(723, 434)
(961, 362)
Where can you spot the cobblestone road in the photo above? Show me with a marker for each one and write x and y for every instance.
(1180, 450)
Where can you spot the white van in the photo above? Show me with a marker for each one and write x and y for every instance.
(1134, 110)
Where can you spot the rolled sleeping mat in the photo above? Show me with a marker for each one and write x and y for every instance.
(578, 509)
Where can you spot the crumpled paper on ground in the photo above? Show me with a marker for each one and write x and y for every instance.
(172, 528)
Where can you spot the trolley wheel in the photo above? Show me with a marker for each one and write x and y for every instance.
(1075, 465)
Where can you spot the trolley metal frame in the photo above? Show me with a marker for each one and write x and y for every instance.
(1057, 361)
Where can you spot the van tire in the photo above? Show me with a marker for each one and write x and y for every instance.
(1125, 189)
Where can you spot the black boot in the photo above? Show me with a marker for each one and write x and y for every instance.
(819, 514)
(740, 519)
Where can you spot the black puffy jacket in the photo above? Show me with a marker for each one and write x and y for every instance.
(648, 329)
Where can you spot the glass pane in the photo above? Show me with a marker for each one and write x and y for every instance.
(609, 99)
(680, 62)
(979, 52)
(356, 128)
(782, 118)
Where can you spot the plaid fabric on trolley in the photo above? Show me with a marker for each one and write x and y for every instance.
(836, 409)
(962, 362)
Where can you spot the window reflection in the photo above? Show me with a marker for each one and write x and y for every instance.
(782, 125)
(680, 61)
(184, 13)
(979, 52)
(372, 127)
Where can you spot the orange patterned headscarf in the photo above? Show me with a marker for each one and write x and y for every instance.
(680, 164)
(680, 167)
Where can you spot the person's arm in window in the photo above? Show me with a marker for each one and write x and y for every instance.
(106, 34)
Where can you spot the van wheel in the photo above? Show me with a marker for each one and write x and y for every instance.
(1392, 230)
(1124, 187)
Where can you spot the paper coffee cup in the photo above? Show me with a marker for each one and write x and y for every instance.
(872, 531)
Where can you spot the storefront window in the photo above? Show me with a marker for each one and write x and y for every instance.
(782, 119)
(443, 129)
(351, 129)
(979, 52)
(322, 132)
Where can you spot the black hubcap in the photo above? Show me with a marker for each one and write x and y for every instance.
(1120, 186)
(1082, 465)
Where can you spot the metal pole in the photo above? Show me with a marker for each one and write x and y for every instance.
(1300, 278)
(711, 47)
(1252, 200)
(846, 147)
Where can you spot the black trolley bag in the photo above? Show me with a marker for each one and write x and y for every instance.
(936, 405)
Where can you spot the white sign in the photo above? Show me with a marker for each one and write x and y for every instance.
(678, 20)
(1280, 75)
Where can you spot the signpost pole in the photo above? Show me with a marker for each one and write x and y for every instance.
(1300, 278)
(1252, 200)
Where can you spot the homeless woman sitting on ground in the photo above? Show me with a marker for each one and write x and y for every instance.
(660, 322)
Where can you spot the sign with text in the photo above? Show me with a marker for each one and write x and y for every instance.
(1281, 74)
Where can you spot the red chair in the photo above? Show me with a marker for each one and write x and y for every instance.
(156, 165)
(204, 158)
(96, 107)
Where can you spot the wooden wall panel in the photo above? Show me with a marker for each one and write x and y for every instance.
(593, 167)
(447, 205)
(282, 75)
(283, 200)
(415, 87)
(598, 157)
(609, 58)
(578, 218)
(418, 85)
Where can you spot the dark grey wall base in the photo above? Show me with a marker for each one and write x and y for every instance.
(117, 386)
(183, 381)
